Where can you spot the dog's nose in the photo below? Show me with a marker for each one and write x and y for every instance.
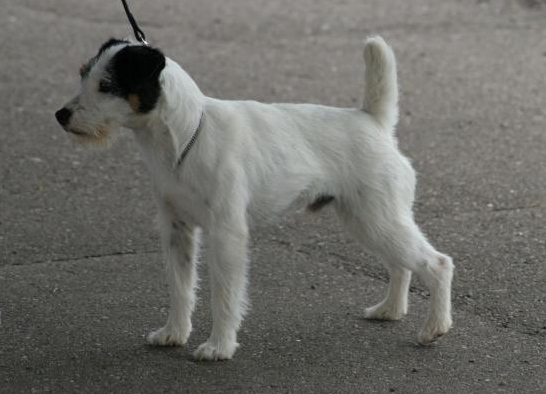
(63, 116)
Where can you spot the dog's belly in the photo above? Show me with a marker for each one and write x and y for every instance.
(284, 189)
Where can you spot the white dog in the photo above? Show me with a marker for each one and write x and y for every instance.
(217, 164)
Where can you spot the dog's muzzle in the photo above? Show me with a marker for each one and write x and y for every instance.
(63, 116)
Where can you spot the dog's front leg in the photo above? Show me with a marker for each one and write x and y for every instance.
(180, 247)
(228, 269)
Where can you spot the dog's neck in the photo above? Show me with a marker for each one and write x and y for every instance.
(178, 115)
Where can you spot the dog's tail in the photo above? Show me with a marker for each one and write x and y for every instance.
(381, 89)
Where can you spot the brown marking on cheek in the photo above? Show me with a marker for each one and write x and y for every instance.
(134, 102)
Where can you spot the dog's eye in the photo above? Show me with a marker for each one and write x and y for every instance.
(105, 87)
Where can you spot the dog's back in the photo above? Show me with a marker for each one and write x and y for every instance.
(295, 150)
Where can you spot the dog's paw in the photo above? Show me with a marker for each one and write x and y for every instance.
(210, 351)
(167, 336)
(385, 311)
(433, 331)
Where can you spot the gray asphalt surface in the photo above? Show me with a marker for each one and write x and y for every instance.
(81, 280)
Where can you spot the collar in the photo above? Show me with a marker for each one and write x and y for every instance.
(191, 142)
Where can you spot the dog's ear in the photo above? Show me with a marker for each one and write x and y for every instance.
(135, 72)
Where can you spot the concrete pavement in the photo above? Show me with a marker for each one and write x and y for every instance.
(81, 279)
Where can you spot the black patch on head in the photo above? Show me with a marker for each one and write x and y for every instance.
(86, 67)
(320, 202)
(110, 43)
(135, 70)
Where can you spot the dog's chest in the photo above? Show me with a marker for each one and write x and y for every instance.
(183, 202)
(176, 192)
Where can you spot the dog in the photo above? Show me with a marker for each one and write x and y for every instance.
(217, 165)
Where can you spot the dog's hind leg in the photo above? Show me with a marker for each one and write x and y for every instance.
(398, 242)
(395, 305)
(227, 260)
(180, 247)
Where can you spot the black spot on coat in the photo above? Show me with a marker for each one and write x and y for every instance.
(321, 201)
(135, 70)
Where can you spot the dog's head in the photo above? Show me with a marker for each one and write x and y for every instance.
(119, 86)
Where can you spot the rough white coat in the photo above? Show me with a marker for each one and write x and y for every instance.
(251, 161)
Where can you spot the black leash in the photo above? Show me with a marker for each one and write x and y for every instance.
(139, 34)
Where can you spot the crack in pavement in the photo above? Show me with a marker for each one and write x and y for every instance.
(348, 265)
(84, 257)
